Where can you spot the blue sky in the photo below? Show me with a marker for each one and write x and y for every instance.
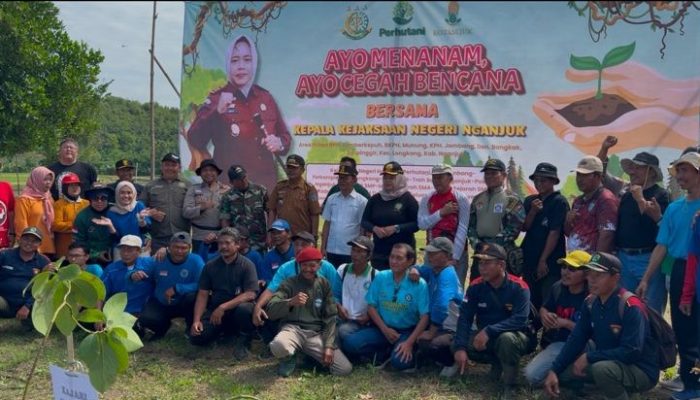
(122, 32)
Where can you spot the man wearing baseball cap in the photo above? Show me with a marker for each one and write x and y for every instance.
(342, 217)
(116, 275)
(296, 200)
(176, 279)
(165, 196)
(592, 221)
(559, 314)
(544, 241)
(673, 242)
(496, 216)
(355, 278)
(305, 306)
(500, 303)
(17, 267)
(624, 358)
(245, 205)
(125, 171)
(445, 213)
(281, 251)
(445, 293)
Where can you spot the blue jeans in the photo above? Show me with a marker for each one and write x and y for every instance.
(633, 268)
(347, 328)
(537, 369)
(370, 342)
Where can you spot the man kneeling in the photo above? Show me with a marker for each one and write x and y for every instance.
(625, 357)
(304, 303)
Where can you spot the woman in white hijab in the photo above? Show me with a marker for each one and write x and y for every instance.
(128, 215)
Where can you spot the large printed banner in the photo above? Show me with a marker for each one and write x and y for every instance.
(424, 83)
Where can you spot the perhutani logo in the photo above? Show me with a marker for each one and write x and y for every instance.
(401, 32)
(403, 13)
(453, 13)
(356, 24)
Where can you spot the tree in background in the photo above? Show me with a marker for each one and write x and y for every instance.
(48, 83)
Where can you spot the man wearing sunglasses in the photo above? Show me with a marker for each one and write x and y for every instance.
(559, 314)
(93, 228)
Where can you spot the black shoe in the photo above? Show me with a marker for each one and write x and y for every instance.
(241, 349)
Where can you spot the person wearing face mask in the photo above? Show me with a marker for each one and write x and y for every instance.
(92, 227)
(241, 120)
(34, 207)
(66, 209)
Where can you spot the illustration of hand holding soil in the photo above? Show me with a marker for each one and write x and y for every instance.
(625, 99)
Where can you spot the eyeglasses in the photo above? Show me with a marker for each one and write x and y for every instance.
(101, 198)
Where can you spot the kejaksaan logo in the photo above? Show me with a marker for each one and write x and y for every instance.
(356, 24)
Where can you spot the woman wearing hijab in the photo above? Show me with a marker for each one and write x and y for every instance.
(391, 215)
(35, 208)
(241, 120)
(66, 209)
(92, 227)
(128, 215)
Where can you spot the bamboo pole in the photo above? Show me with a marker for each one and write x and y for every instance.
(153, 115)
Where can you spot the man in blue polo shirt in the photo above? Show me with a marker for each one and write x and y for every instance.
(17, 267)
(500, 302)
(624, 358)
(281, 252)
(399, 309)
(176, 280)
(115, 276)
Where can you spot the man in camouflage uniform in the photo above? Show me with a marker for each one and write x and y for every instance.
(246, 205)
(496, 216)
(296, 200)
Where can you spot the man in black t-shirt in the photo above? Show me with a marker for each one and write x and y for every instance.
(559, 314)
(68, 162)
(232, 281)
(544, 239)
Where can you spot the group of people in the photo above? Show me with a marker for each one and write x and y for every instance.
(233, 260)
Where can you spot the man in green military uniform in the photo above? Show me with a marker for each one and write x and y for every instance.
(245, 205)
(496, 216)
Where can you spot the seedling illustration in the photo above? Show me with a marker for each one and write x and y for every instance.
(614, 57)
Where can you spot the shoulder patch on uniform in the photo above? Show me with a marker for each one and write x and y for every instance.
(476, 281)
(518, 280)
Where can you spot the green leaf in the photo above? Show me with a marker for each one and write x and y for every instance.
(83, 293)
(39, 282)
(114, 311)
(64, 321)
(95, 282)
(42, 313)
(129, 338)
(119, 351)
(100, 359)
(618, 55)
(585, 63)
(91, 315)
(69, 272)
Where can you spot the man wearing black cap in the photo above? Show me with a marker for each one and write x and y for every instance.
(17, 267)
(500, 302)
(342, 217)
(624, 358)
(544, 241)
(201, 206)
(496, 216)
(349, 162)
(125, 171)
(166, 196)
(296, 200)
(68, 162)
(245, 205)
(642, 204)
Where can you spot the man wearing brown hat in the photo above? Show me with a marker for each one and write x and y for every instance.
(445, 213)
(342, 217)
(592, 221)
(296, 200)
(544, 241)
(246, 205)
(125, 171)
(496, 216)
(165, 196)
(201, 206)
(642, 204)
(500, 304)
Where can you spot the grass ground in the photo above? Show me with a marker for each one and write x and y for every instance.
(172, 369)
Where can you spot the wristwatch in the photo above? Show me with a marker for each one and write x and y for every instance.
(398, 228)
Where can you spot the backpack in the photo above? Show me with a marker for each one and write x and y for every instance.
(372, 272)
(661, 332)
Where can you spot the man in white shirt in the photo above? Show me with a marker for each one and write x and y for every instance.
(342, 216)
(445, 213)
(355, 278)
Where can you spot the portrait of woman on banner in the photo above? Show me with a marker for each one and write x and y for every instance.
(242, 120)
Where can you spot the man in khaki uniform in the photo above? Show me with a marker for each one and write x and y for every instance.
(295, 200)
